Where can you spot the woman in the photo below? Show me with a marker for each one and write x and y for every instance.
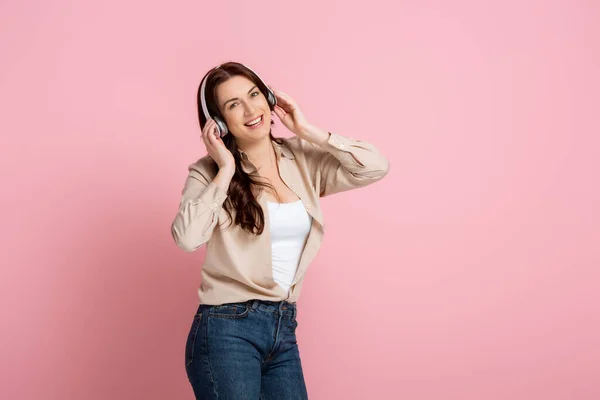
(254, 201)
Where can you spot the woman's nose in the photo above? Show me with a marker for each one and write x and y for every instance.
(250, 109)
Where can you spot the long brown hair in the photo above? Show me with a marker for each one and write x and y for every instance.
(244, 187)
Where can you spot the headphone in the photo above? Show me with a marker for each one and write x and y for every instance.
(221, 126)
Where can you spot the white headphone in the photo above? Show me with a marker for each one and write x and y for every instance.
(221, 126)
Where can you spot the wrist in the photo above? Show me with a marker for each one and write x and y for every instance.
(227, 171)
(316, 135)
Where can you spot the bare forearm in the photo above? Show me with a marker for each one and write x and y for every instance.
(223, 178)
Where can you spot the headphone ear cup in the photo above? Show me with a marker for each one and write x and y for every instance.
(222, 126)
(271, 99)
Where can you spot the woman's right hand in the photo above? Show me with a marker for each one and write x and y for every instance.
(216, 148)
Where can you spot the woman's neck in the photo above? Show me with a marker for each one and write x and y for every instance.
(260, 153)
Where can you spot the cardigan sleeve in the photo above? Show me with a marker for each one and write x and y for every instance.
(343, 163)
(199, 208)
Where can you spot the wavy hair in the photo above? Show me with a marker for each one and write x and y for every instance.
(242, 206)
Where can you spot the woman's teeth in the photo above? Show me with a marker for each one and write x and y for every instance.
(254, 122)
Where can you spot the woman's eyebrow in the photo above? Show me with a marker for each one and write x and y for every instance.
(235, 98)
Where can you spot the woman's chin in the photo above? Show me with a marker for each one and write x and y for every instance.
(260, 131)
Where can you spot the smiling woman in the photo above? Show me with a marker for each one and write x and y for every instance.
(235, 95)
(242, 341)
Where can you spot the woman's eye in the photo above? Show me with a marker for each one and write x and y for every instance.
(252, 94)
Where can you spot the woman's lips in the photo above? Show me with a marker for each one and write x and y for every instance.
(262, 121)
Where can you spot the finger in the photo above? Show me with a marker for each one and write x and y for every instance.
(206, 133)
(284, 96)
(210, 144)
(216, 136)
(209, 123)
(285, 106)
(211, 131)
(205, 141)
(286, 102)
(215, 132)
(279, 112)
(219, 142)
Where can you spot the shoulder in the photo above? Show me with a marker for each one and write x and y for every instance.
(297, 145)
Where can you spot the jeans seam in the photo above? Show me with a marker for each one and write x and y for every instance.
(275, 345)
(194, 341)
(207, 359)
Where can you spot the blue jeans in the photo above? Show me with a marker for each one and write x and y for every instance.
(246, 350)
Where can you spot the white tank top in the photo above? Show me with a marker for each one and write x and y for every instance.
(290, 225)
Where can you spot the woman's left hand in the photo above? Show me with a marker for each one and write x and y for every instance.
(289, 113)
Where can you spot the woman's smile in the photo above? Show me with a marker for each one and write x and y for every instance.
(256, 125)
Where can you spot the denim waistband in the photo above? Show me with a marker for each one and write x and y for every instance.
(280, 307)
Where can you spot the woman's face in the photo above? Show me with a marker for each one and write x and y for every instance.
(241, 103)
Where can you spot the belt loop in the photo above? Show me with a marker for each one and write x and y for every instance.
(253, 304)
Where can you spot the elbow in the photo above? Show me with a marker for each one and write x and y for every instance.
(384, 167)
(186, 242)
(377, 170)
(189, 247)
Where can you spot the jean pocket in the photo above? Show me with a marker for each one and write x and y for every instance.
(191, 345)
(231, 310)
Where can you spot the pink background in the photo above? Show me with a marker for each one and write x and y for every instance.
(470, 272)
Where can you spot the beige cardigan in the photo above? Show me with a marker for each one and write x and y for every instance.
(238, 266)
